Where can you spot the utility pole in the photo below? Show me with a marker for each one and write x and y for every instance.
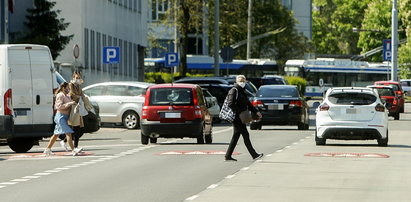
(205, 27)
(250, 4)
(216, 37)
(394, 41)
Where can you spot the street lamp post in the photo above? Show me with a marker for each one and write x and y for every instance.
(394, 41)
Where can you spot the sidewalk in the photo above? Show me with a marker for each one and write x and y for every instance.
(347, 171)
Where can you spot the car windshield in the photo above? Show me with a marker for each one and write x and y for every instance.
(352, 98)
(171, 96)
(385, 92)
(277, 92)
(270, 81)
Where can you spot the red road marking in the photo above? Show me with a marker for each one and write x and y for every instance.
(349, 155)
(41, 155)
(206, 152)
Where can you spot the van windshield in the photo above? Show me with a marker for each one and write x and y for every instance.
(171, 96)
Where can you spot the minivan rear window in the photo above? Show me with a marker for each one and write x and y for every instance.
(352, 98)
(385, 92)
(171, 96)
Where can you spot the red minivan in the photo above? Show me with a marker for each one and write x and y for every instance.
(175, 111)
(399, 93)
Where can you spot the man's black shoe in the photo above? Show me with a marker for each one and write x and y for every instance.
(230, 159)
(259, 156)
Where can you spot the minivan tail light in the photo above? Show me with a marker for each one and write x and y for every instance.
(197, 111)
(379, 108)
(8, 102)
(324, 107)
(258, 103)
(144, 112)
(295, 103)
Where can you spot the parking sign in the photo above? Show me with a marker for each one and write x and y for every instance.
(386, 50)
(111, 55)
(171, 59)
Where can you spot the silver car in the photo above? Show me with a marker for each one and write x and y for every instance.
(120, 102)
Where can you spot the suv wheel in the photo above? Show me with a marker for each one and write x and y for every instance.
(131, 120)
(200, 137)
(383, 142)
(144, 139)
(319, 141)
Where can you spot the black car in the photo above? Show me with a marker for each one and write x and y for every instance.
(268, 80)
(281, 105)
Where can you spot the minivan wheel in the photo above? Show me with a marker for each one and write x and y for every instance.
(209, 139)
(20, 145)
(144, 139)
(131, 120)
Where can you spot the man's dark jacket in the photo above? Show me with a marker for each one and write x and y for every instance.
(241, 103)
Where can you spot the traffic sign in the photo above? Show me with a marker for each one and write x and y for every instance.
(227, 53)
(386, 50)
(171, 59)
(111, 55)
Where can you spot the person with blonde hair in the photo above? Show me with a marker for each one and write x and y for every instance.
(63, 105)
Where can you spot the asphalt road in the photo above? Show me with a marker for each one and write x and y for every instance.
(116, 167)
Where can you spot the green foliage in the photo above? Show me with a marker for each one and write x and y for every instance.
(333, 21)
(298, 81)
(162, 77)
(44, 27)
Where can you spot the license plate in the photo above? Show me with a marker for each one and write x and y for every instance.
(351, 111)
(276, 107)
(172, 115)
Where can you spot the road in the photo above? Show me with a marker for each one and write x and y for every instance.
(116, 167)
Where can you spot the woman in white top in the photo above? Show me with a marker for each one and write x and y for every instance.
(63, 105)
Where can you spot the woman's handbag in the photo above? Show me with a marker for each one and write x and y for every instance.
(246, 116)
(226, 112)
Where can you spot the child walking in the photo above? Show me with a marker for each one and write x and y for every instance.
(63, 105)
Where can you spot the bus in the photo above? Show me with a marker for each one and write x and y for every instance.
(324, 73)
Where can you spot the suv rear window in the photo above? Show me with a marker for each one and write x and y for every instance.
(171, 96)
(352, 98)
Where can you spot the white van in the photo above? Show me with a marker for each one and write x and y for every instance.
(27, 84)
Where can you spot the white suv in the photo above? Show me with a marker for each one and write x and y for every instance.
(352, 113)
(120, 102)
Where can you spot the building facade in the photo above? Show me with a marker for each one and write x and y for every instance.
(104, 23)
(302, 10)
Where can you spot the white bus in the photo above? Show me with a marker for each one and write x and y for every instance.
(323, 73)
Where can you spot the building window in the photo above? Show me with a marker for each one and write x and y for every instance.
(288, 4)
(159, 9)
(93, 50)
(131, 58)
(139, 6)
(135, 5)
(104, 67)
(99, 58)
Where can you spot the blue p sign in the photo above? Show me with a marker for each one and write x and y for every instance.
(171, 59)
(111, 55)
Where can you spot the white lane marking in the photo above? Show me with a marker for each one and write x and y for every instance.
(245, 168)
(295, 143)
(269, 155)
(230, 176)
(280, 150)
(31, 177)
(2, 187)
(212, 186)
(20, 180)
(287, 147)
(42, 174)
(72, 166)
(187, 199)
(8, 183)
(61, 168)
(222, 131)
(302, 140)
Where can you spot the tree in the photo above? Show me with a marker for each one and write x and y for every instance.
(44, 27)
(333, 21)
(404, 51)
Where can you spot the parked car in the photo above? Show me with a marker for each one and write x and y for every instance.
(120, 102)
(398, 91)
(387, 94)
(281, 105)
(268, 80)
(213, 103)
(406, 86)
(92, 121)
(250, 88)
(175, 111)
(352, 113)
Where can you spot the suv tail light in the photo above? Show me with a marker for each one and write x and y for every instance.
(197, 112)
(8, 102)
(395, 101)
(324, 107)
(379, 108)
(258, 103)
(144, 112)
(295, 103)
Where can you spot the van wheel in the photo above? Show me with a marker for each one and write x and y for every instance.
(20, 145)
(144, 139)
(153, 140)
(131, 120)
(200, 137)
(397, 116)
